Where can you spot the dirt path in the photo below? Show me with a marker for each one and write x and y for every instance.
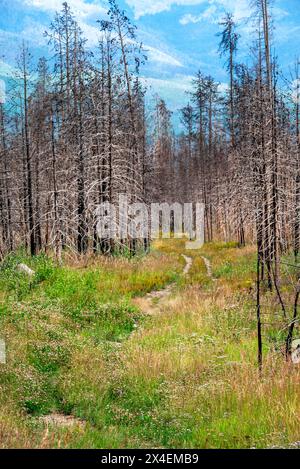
(151, 304)
(154, 302)
(208, 267)
(188, 264)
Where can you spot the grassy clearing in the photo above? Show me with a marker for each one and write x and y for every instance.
(187, 377)
(62, 331)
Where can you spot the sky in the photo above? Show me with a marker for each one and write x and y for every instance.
(180, 36)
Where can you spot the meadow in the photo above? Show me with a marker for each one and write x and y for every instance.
(88, 366)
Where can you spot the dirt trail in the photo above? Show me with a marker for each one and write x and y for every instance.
(188, 265)
(154, 302)
(208, 267)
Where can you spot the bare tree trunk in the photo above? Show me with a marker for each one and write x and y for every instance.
(5, 184)
(29, 192)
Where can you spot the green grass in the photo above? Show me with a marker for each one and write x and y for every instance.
(59, 316)
(78, 345)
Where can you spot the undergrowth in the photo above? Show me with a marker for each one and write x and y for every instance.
(185, 378)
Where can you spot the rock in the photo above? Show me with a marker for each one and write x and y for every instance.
(25, 270)
(296, 352)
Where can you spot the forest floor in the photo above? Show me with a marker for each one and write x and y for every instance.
(157, 351)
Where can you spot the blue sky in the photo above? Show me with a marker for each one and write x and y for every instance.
(180, 36)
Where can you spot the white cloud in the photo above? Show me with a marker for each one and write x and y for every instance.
(240, 8)
(208, 15)
(33, 32)
(156, 55)
(6, 70)
(223, 88)
(91, 33)
(80, 8)
(173, 90)
(171, 87)
(216, 9)
(84, 12)
(152, 7)
(180, 83)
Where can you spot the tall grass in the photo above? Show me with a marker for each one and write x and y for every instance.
(186, 377)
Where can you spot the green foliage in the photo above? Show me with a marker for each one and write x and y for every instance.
(50, 317)
(48, 358)
(17, 283)
(186, 378)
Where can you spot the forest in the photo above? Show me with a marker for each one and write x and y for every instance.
(76, 132)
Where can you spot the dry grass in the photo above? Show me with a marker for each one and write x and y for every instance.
(201, 350)
(185, 377)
